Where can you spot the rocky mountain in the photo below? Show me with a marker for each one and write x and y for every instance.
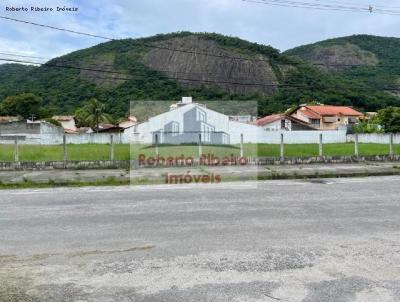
(208, 66)
(370, 59)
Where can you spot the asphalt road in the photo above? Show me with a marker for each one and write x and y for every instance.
(325, 240)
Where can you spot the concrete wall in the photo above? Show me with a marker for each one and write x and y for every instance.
(31, 133)
(93, 138)
(302, 137)
(126, 164)
(48, 134)
(21, 127)
(375, 138)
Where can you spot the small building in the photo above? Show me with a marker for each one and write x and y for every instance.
(326, 117)
(9, 119)
(36, 132)
(66, 121)
(81, 130)
(242, 118)
(129, 122)
(108, 128)
(278, 122)
(369, 116)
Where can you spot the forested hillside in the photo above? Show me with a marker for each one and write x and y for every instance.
(208, 67)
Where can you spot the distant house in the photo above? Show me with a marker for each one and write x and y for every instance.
(242, 118)
(67, 122)
(32, 132)
(129, 122)
(81, 130)
(108, 128)
(327, 117)
(369, 115)
(9, 119)
(285, 122)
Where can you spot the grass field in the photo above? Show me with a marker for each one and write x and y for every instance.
(124, 152)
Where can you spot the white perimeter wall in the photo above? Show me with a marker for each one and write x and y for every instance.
(250, 135)
(374, 138)
(302, 137)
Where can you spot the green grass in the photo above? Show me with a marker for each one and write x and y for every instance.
(125, 152)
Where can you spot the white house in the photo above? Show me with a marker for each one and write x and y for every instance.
(189, 122)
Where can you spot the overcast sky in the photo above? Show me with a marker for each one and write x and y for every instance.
(280, 27)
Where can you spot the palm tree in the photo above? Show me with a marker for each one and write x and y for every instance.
(95, 113)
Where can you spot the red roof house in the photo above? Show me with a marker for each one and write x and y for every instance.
(326, 117)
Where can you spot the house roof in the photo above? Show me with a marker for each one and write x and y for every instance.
(78, 130)
(324, 110)
(104, 127)
(268, 119)
(276, 117)
(9, 119)
(310, 114)
(63, 118)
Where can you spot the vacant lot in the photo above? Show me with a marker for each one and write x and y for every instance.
(125, 152)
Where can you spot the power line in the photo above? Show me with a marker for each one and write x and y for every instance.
(56, 28)
(23, 56)
(132, 77)
(325, 6)
(224, 56)
(274, 3)
(139, 43)
(358, 4)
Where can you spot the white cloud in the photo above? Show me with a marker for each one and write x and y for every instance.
(277, 26)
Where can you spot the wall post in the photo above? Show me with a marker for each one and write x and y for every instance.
(282, 148)
(241, 145)
(65, 150)
(112, 153)
(156, 142)
(16, 150)
(356, 145)
(391, 149)
(321, 150)
(200, 147)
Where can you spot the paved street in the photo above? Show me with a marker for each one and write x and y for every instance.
(298, 240)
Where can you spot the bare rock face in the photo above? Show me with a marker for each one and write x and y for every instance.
(187, 60)
(342, 57)
(92, 71)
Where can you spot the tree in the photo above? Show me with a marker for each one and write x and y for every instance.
(92, 114)
(389, 119)
(81, 118)
(25, 105)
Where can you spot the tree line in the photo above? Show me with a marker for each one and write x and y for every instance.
(31, 106)
(93, 112)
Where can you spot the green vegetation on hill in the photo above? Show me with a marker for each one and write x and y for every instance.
(67, 88)
(376, 63)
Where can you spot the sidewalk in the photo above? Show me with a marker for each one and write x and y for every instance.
(158, 175)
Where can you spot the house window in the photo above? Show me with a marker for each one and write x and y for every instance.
(201, 116)
(175, 129)
(314, 122)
